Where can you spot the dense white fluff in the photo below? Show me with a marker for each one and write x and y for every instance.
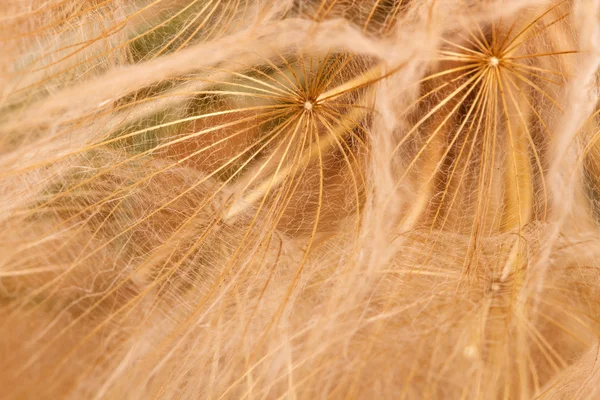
(299, 199)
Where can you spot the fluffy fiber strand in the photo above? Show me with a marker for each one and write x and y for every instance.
(260, 199)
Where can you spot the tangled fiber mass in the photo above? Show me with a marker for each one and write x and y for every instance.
(260, 199)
